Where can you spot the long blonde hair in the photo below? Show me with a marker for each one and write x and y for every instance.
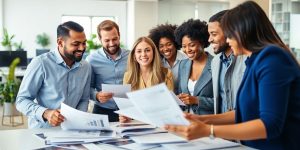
(134, 70)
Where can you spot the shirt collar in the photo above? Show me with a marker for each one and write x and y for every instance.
(104, 53)
(60, 60)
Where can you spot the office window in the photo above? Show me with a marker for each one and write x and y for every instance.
(89, 23)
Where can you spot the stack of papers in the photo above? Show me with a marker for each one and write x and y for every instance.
(132, 129)
(202, 144)
(75, 137)
(79, 120)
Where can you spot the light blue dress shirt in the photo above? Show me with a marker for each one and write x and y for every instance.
(179, 56)
(48, 82)
(226, 104)
(105, 70)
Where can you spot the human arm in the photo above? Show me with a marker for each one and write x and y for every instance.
(28, 91)
(53, 117)
(244, 131)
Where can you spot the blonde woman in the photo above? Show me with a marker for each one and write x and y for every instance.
(144, 68)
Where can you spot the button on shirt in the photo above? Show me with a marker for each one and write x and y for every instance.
(226, 105)
(105, 70)
(179, 56)
(48, 82)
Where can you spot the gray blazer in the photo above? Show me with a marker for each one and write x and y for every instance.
(203, 88)
(233, 78)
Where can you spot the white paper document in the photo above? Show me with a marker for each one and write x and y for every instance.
(179, 102)
(134, 113)
(119, 90)
(123, 103)
(79, 120)
(158, 106)
(202, 144)
(159, 138)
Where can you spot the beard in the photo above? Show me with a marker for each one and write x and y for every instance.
(112, 50)
(72, 55)
(222, 48)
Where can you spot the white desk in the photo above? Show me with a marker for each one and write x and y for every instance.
(23, 139)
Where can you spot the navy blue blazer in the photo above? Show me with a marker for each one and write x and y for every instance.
(270, 91)
(203, 88)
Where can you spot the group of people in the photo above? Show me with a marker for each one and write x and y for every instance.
(249, 91)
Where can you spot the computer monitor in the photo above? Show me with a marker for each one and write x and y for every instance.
(41, 51)
(6, 58)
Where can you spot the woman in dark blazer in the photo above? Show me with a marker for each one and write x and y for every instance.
(195, 82)
(267, 114)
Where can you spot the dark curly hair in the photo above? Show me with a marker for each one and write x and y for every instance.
(163, 31)
(195, 30)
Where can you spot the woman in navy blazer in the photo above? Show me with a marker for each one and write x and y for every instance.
(267, 114)
(195, 82)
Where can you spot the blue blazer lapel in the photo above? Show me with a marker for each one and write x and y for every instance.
(186, 74)
(205, 76)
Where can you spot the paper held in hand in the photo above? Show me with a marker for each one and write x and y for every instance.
(154, 105)
(79, 120)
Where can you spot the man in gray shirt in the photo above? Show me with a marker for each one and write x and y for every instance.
(108, 67)
(227, 69)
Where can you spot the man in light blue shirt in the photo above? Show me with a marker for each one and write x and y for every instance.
(55, 77)
(227, 70)
(108, 67)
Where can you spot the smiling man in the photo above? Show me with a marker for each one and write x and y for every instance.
(108, 67)
(227, 70)
(55, 77)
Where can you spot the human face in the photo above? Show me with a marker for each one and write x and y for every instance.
(110, 41)
(167, 48)
(232, 42)
(143, 54)
(193, 49)
(72, 47)
(217, 38)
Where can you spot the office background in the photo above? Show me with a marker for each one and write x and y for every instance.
(28, 18)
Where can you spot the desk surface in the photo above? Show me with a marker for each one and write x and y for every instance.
(23, 139)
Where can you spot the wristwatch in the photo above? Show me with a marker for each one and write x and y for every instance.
(212, 135)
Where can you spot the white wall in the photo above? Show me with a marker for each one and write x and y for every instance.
(27, 18)
(145, 17)
(1, 17)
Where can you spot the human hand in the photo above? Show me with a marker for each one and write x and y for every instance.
(53, 117)
(124, 119)
(103, 97)
(188, 99)
(196, 129)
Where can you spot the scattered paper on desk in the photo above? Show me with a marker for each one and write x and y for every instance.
(158, 105)
(79, 120)
(79, 134)
(159, 138)
(119, 90)
(123, 103)
(202, 144)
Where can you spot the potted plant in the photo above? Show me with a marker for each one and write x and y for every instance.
(9, 90)
(92, 44)
(43, 40)
(19, 46)
(7, 40)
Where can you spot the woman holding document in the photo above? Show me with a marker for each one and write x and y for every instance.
(195, 80)
(144, 68)
(267, 114)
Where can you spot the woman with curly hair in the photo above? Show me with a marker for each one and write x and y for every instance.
(144, 68)
(267, 114)
(195, 79)
(164, 39)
